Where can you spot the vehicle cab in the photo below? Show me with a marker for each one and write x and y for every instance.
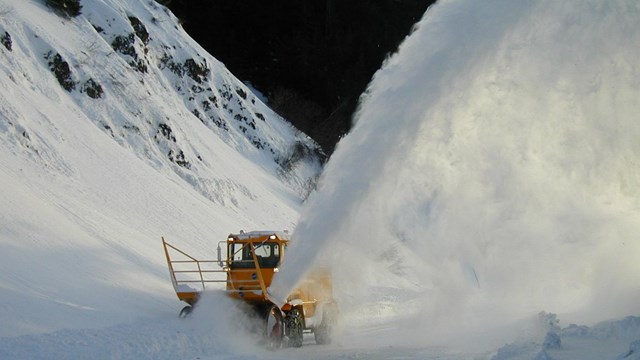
(252, 260)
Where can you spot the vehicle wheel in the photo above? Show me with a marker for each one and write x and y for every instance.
(323, 332)
(274, 330)
(185, 311)
(294, 328)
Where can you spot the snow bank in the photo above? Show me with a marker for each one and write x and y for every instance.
(493, 169)
(606, 340)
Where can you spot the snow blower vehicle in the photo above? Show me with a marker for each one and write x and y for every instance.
(252, 260)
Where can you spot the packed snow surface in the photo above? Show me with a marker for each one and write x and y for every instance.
(485, 205)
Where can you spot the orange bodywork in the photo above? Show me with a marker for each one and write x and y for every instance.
(251, 262)
(251, 282)
(316, 287)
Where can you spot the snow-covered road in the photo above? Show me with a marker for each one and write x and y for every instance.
(215, 332)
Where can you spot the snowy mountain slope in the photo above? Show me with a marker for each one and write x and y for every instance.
(150, 83)
(136, 137)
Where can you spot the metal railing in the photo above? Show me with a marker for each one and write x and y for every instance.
(191, 270)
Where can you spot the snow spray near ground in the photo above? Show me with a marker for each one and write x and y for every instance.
(208, 334)
(493, 171)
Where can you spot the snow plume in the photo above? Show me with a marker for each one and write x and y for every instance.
(493, 171)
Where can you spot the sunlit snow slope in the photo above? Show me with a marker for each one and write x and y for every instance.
(116, 128)
(493, 172)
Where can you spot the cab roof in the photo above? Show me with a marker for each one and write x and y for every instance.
(246, 235)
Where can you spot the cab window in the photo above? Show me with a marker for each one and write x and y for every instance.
(268, 255)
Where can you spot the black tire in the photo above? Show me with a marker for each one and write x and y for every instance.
(322, 334)
(294, 328)
(274, 327)
(185, 312)
(324, 331)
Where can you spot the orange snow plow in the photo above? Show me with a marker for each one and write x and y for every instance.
(251, 262)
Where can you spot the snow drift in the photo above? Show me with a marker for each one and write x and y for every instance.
(493, 171)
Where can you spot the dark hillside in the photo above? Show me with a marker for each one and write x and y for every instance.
(312, 58)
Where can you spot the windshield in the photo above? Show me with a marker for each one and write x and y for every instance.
(268, 255)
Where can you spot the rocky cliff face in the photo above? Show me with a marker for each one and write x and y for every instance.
(130, 69)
